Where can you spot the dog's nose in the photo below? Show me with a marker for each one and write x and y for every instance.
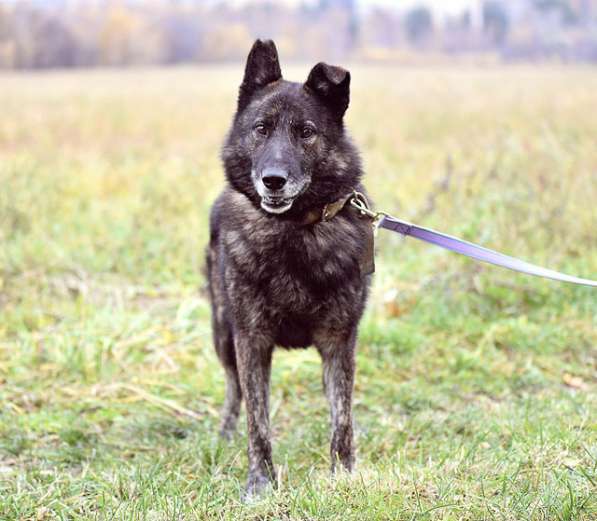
(274, 178)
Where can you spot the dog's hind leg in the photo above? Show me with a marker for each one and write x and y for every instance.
(232, 402)
(337, 353)
(223, 342)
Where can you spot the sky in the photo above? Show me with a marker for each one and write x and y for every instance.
(446, 6)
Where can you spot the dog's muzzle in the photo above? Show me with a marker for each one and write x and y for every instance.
(276, 190)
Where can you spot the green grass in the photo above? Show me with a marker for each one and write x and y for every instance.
(476, 387)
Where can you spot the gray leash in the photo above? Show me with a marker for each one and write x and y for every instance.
(474, 251)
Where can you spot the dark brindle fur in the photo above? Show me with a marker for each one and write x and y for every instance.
(274, 277)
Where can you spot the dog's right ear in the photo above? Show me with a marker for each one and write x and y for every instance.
(332, 85)
(262, 69)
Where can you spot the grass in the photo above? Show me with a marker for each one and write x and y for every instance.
(476, 387)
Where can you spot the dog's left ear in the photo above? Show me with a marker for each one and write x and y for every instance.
(332, 85)
(263, 68)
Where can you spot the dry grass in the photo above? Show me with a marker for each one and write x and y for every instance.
(476, 386)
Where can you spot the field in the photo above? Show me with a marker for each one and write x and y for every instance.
(476, 394)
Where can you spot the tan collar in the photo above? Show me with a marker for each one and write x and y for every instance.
(328, 212)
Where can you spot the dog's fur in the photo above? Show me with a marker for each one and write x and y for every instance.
(274, 279)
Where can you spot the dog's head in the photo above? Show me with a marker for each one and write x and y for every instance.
(287, 148)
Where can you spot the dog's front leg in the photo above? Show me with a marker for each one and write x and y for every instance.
(338, 379)
(253, 355)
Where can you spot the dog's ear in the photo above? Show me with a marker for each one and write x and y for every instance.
(262, 69)
(332, 85)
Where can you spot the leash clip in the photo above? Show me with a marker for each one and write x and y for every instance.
(359, 201)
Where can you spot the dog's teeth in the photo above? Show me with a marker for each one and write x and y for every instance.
(275, 209)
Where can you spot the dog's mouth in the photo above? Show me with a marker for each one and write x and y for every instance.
(276, 205)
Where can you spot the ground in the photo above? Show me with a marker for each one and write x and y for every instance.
(476, 387)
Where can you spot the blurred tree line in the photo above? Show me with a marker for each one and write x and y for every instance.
(86, 33)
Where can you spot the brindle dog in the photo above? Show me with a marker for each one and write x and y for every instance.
(284, 258)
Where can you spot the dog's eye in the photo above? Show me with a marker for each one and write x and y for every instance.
(307, 132)
(261, 129)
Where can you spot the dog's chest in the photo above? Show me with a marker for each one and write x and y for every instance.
(297, 270)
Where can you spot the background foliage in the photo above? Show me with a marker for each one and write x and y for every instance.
(116, 33)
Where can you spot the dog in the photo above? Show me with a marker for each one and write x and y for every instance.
(288, 254)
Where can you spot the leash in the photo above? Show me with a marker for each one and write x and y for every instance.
(448, 242)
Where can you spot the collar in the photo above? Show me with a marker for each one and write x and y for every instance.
(327, 213)
(357, 201)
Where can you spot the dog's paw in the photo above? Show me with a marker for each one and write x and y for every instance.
(344, 467)
(258, 486)
(228, 427)
(226, 433)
